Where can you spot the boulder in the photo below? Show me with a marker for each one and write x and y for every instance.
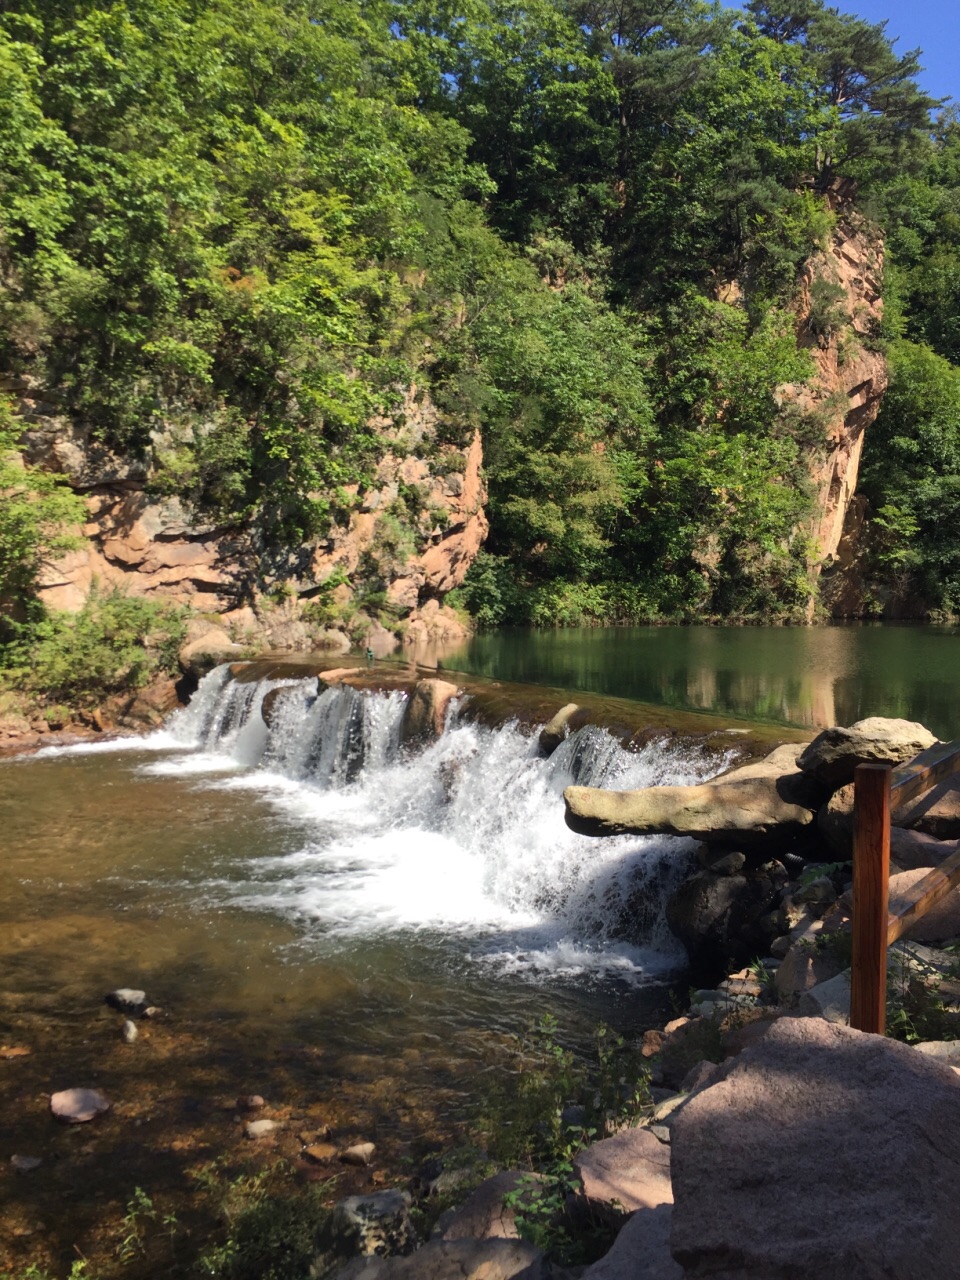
(829, 999)
(77, 1106)
(641, 1251)
(426, 710)
(935, 814)
(748, 806)
(834, 754)
(373, 1224)
(942, 921)
(723, 921)
(455, 1260)
(200, 655)
(555, 730)
(820, 1151)
(945, 1051)
(629, 1171)
(483, 1215)
(912, 849)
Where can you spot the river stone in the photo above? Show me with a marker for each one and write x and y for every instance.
(128, 1032)
(126, 1000)
(426, 710)
(361, 1153)
(259, 1128)
(25, 1164)
(912, 849)
(77, 1106)
(631, 1169)
(820, 1151)
(641, 1251)
(754, 805)
(555, 730)
(456, 1260)
(834, 754)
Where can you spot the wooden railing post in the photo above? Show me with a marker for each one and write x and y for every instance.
(871, 876)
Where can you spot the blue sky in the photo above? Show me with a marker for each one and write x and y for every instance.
(933, 25)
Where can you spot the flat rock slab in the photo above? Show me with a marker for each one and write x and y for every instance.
(455, 1260)
(820, 1151)
(641, 1251)
(632, 1168)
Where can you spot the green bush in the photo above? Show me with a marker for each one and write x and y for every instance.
(113, 644)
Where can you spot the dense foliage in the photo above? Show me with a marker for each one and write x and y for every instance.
(231, 233)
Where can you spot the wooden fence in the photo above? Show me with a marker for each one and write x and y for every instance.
(879, 790)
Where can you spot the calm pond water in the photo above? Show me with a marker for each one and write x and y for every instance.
(808, 676)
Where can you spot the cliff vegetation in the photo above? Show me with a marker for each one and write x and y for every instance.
(307, 302)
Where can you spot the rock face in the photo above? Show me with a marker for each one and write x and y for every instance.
(822, 1152)
(834, 754)
(839, 312)
(743, 807)
(413, 532)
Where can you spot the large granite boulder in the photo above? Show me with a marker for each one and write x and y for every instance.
(834, 754)
(820, 1151)
(750, 805)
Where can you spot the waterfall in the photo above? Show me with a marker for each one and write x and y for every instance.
(463, 838)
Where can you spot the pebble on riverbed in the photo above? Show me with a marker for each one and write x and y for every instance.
(360, 1154)
(127, 1000)
(77, 1106)
(259, 1128)
(25, 1164)
(250, 1102)
(129, 1032)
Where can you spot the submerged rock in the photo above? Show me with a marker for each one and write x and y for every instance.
(126, 1000)
(361, 1153)
(128, 1032)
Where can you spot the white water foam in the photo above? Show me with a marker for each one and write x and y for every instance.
(464, 839)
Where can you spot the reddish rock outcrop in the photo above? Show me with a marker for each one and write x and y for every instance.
(839, 312)
(414, 532)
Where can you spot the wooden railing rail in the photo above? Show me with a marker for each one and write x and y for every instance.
(878, 789)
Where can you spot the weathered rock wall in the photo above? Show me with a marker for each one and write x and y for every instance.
(838, 327)
(412, 533)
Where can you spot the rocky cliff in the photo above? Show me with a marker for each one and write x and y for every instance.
(403, 542)
(839, 312)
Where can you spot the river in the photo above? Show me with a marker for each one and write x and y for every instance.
(808, 676)
(352, 929)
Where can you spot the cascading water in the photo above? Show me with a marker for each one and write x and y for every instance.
(462, 839)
